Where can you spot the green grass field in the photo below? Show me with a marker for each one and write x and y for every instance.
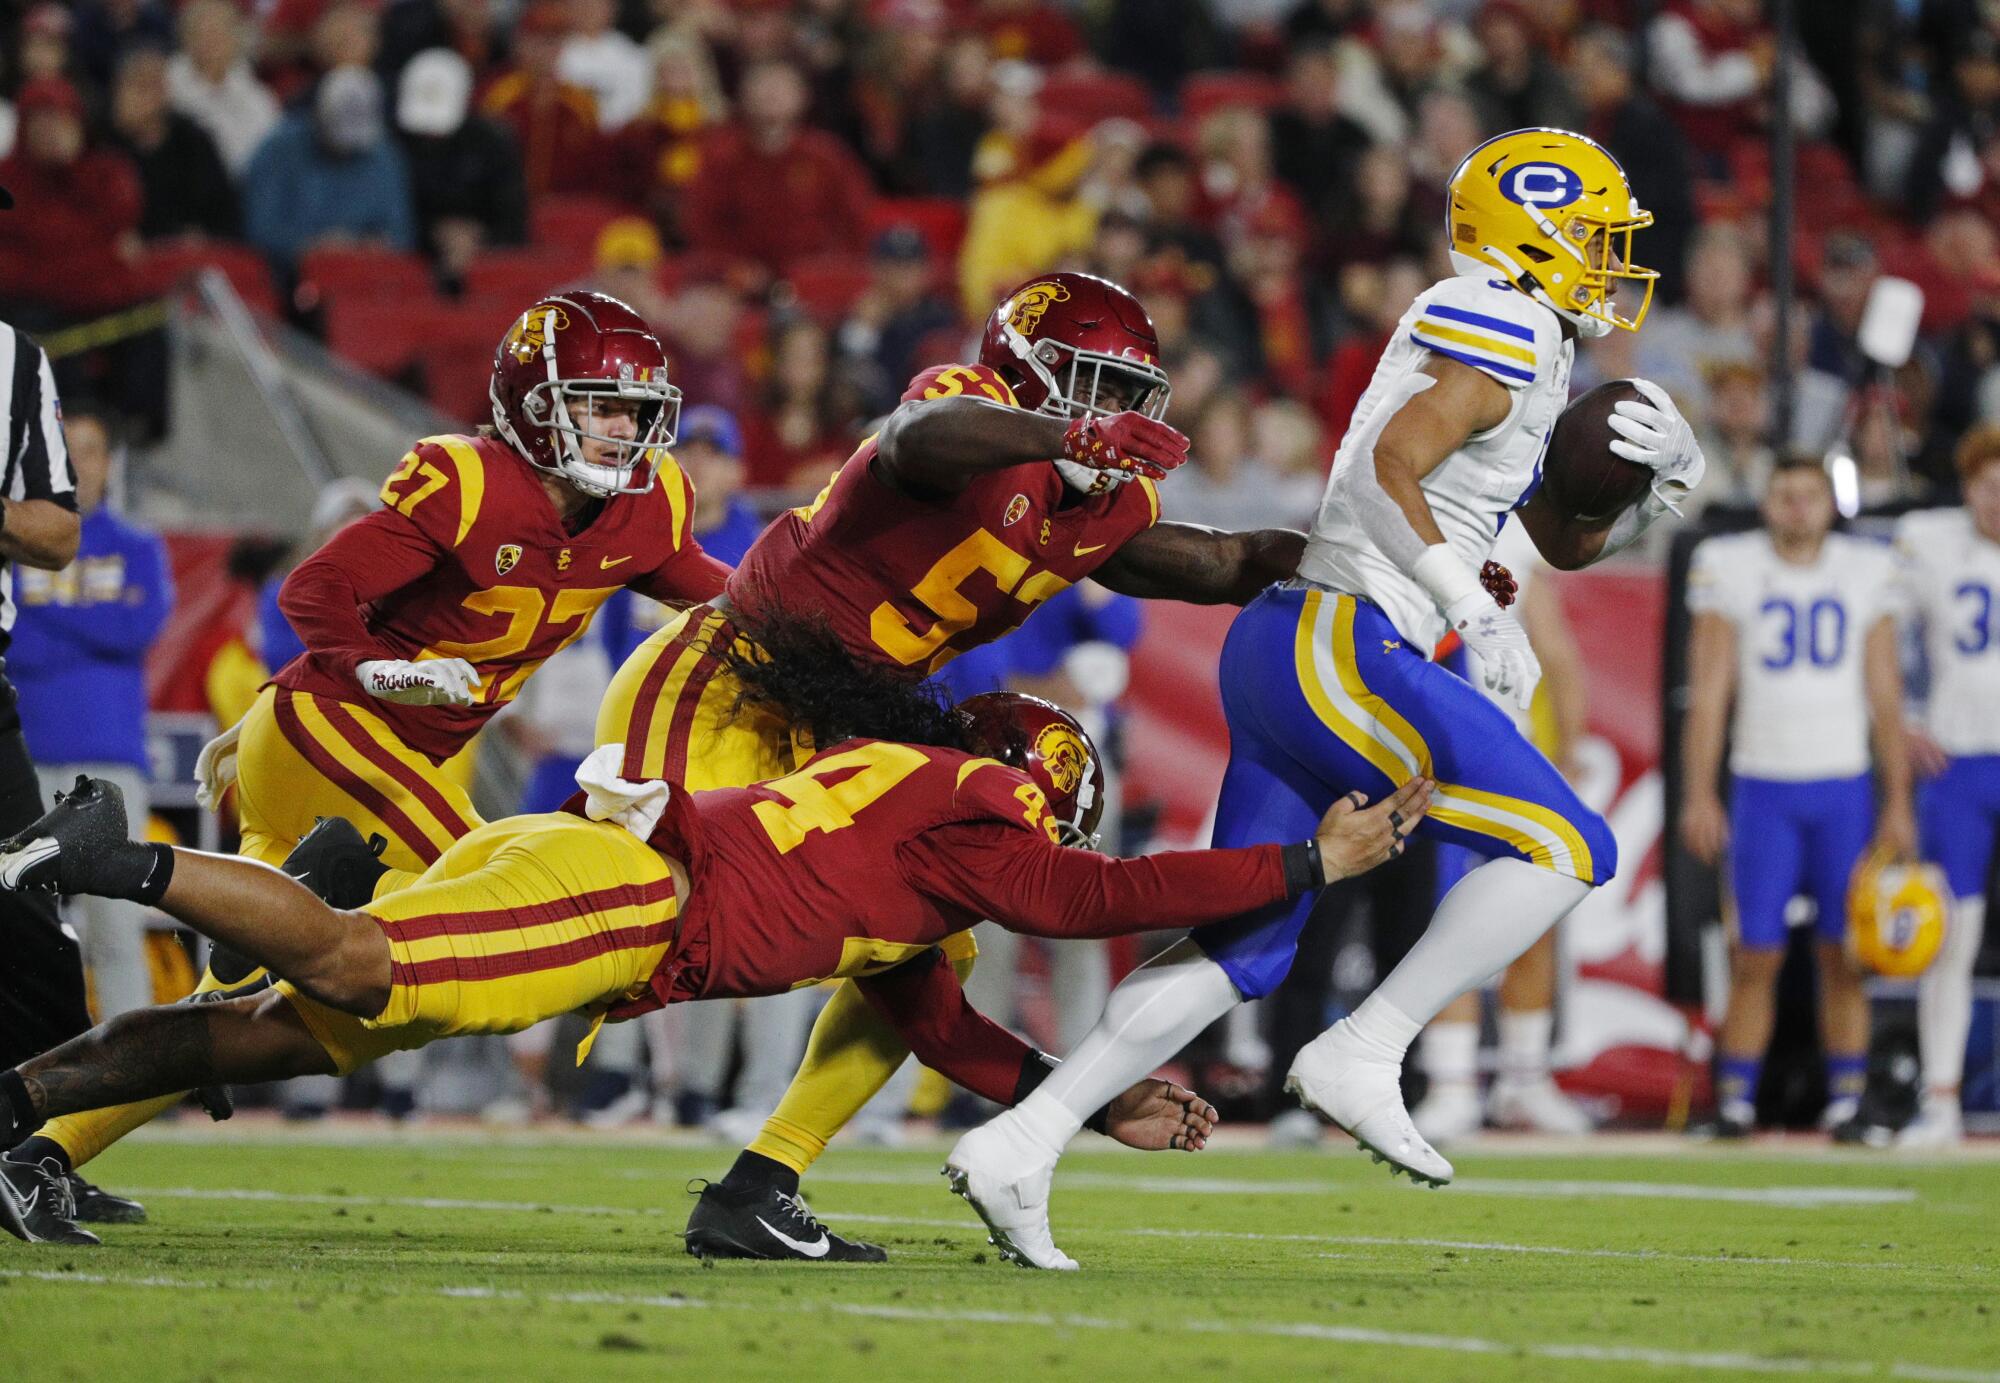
(449, 1255)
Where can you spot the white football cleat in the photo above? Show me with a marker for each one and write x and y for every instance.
(988, 1169)
(1537, 1105)
(1362, 1094)
(1450, 1111)
(1937, 1125)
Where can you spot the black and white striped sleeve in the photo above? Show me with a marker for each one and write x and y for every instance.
(38, 458)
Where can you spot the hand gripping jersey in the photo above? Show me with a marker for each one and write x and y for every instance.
(1511, 338)
(1952, 578)
(468, 559)
(1801, 704)
(874, 852)
(918, 581)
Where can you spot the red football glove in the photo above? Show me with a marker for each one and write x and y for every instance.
(1500, 584)
(1129, 442)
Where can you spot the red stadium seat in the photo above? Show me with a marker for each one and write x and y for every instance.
(371, 273)
(523, 275)
(1093, 96)
(941, 219)
(1204, 93)
(164, 266)
(380, 335)
(827, 285)
(571, 224)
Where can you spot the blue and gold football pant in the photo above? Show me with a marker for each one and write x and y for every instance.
(1323, 697)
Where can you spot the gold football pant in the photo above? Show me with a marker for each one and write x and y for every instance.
(301, 757)
(673, 706)
(521, 921)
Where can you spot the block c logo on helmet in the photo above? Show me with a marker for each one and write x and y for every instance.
(1541, 185)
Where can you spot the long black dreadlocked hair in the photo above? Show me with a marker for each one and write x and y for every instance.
(797, 668)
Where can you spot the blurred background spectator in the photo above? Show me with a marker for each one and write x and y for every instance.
(464, 170)
(329, 176)
(184, 188)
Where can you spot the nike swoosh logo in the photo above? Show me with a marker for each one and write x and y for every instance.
(607, 563)
(817, 1250)
(1082, 551)
(28, 1204)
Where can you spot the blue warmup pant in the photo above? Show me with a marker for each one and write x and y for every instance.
(1793, 838)
(1323, 697)
(1958, 816)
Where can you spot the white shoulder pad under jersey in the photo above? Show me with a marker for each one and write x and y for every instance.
(1507, 336)
(1951, 577)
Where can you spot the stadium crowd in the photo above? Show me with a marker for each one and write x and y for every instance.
(812, 199)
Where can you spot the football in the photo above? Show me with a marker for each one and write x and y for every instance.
(1584, 478)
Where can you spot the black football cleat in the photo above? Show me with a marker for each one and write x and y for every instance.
(766, 1223)
(54, 855)
(1721, 1128)
(97, 1206)
(36, 1205)
(335, 862)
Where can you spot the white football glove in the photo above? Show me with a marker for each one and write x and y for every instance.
(1507, 664)
(432, 682)
(1653, 434)
(215, 768)
(637, 806)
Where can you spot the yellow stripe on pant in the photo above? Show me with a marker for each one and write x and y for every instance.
(1329, 673)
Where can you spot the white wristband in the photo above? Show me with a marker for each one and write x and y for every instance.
(1448, 580)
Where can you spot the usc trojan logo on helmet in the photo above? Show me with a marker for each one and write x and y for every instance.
(1024, 314)
(1063, 755)
(507, 558)
(532, 332)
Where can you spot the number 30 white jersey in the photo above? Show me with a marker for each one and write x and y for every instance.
(1952, 576)
(1508, 336)
(1801, 700)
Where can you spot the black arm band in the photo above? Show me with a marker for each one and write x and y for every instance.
(1304, 870)
(1034, 1070)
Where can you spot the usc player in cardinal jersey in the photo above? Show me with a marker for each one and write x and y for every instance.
(490, 553)
(990, 488)
(858, 865)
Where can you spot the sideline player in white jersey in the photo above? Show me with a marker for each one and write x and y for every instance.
(1797, 625)
(1952, 575)
(1327, 685)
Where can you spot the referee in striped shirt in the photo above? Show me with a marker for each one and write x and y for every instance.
(42, 1001)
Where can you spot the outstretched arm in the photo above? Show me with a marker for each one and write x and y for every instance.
(1203, 566)
(936, 446)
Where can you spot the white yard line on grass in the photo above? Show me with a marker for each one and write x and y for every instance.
(202, 1193)
(1706, 1360)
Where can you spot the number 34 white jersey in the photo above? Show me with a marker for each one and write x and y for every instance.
(1511, 338)
(1801, 700)
(1952, 576)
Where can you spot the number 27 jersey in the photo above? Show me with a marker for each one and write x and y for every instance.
(917, 581)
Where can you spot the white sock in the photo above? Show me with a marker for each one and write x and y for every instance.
(1379, 1029)
(1487, 920)
(1157, 1010)
(1944, 997)
(1451, 1053)
(1524, 1044)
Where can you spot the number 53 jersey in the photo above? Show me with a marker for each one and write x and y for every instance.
(917, 581)
(1952, 575)
(1801, 702)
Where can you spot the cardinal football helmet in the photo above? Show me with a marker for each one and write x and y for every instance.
(584, 348)
(1073, 345)
(1554, 214)
(1045, 742)
(1896, 915)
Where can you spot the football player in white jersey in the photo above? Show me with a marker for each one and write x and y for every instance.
(1328, 687)
(1796, 625)
(1951, 572)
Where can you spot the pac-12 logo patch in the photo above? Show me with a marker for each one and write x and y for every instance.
(507, 558)
(1062, 754)
(1024, 310)
(1541, 185)
(1017, 509)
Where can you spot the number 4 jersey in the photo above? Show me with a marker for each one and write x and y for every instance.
(468, 559)
(1801, 702)
(1952, 574)
(919, 581)
(875, 852)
